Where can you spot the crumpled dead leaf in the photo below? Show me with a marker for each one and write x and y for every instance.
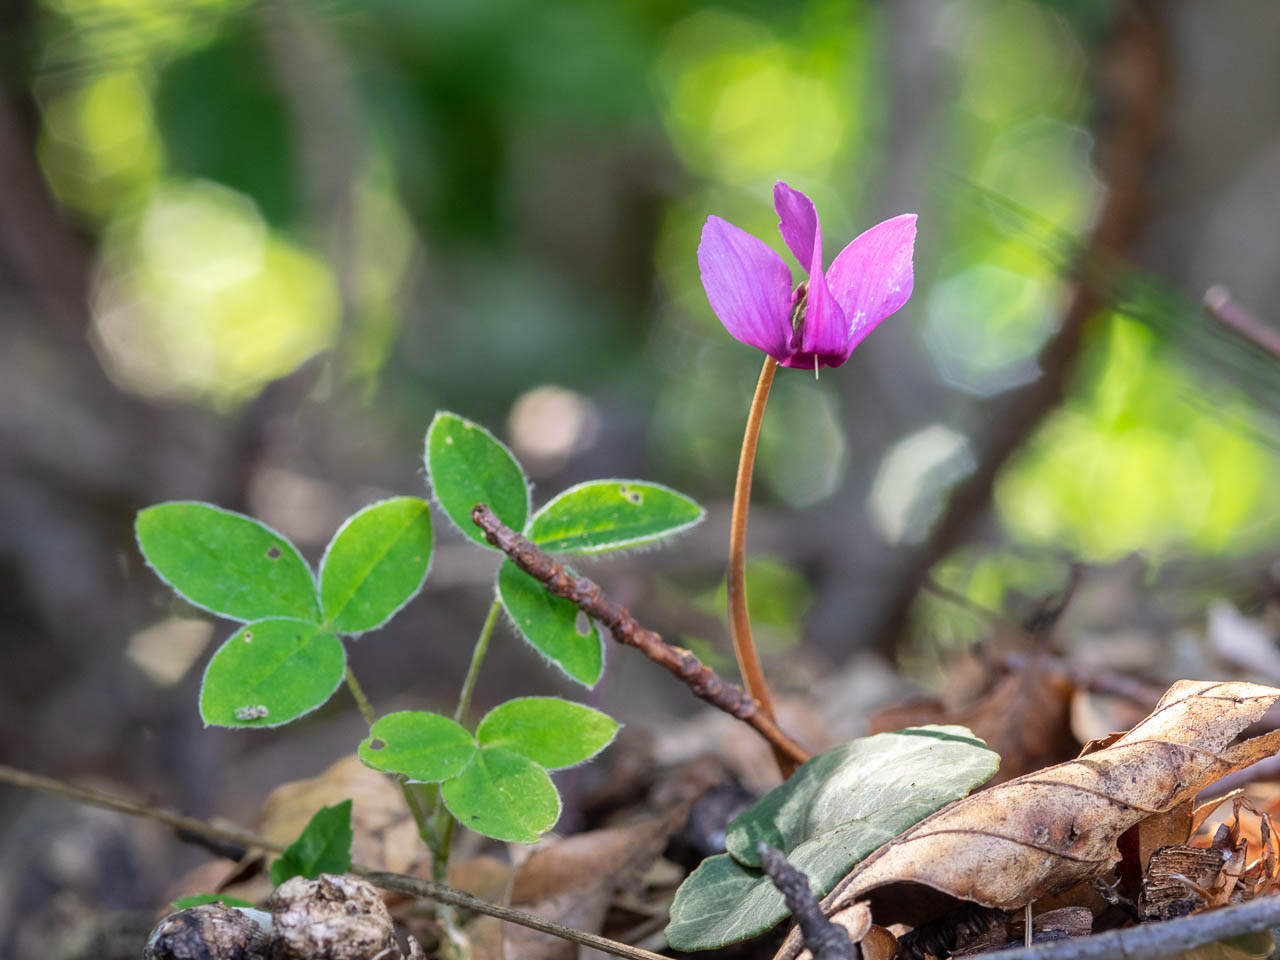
(1026, 839)
(384, 834)
(574, 880)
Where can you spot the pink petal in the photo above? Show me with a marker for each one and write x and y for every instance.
(825, 331)
(748, 285)
(798, 222)
(872, 277)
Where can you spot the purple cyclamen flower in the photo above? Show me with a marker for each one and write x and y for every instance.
(826, 316)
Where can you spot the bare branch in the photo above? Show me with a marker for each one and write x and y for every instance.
(705, 683)
(825, 940)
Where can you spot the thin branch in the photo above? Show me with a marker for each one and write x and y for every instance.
(1229, 312)
(387, 881)
(1151, 941)
(97, 798)
(434, 891)
(825, 940)
(705, 683)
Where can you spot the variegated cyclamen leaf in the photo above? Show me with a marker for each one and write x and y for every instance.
(833, 812)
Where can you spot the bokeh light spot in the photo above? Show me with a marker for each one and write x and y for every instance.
(197, 299)
(984, 326)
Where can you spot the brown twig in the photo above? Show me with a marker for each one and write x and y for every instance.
(1229, 312)
(97, 798)
(825, 940)
(464, 901)
(1150, 941)
(387, 881)
(701, 679)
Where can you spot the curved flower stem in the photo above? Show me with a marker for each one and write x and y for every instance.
(744, 647)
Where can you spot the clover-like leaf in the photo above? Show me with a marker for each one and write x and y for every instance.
(226, 562)
(549, 731)
(833, 812)
(421, 746)
(468, 465)
(610, 515)
(270, 672)
(375, 564)
(503, 795)
(324, 846)
(550, 625)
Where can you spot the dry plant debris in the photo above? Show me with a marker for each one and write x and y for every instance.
(1024, 717)
(1037, 835)
(329, 918)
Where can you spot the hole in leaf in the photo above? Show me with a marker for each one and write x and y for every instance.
(635, 497)
(376, 744)
(582, 623)
(273, 553)
(248, 636)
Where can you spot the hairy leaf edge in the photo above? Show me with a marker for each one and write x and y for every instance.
(319, 576)
(254, 725)
(603, 747)
(435, 499)
(634, 541)
(315, 584)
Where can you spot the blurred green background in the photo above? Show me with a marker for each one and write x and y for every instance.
(249, 248)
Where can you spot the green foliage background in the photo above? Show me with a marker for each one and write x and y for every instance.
(248, 247)
(494, 208)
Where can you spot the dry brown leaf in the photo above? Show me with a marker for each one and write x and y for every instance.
(879, 944)
(1023, 840)
(385, 836)
(1025, 718)
(1140, 842)
(573, 881)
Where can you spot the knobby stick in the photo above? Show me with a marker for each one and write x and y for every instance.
(701, 679)
(398, 882)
